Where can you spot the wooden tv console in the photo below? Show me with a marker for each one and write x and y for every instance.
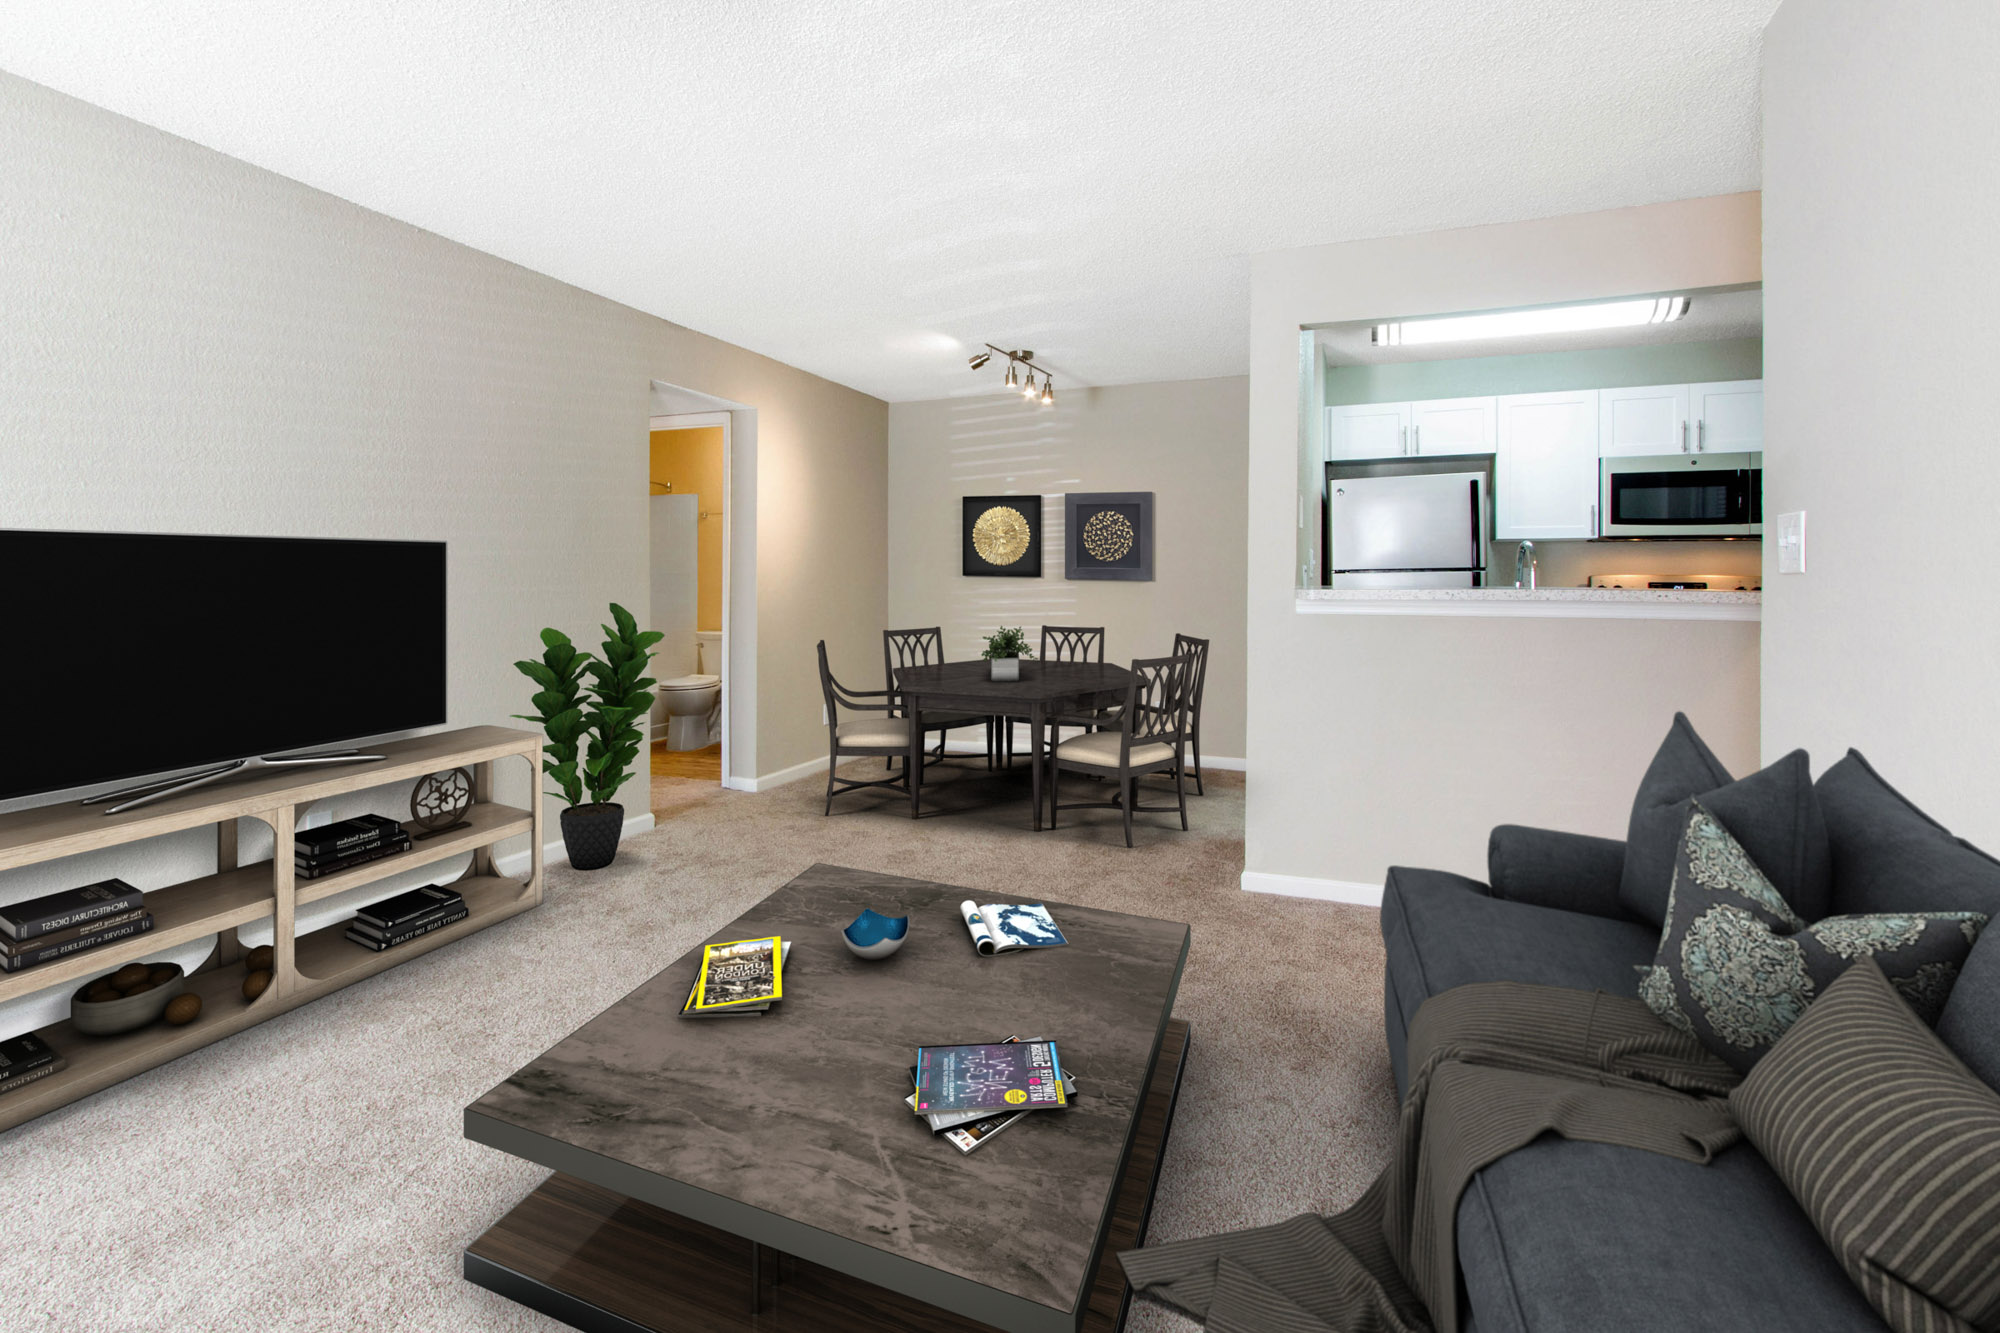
(308, 966)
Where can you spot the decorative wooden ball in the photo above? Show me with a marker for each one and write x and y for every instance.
(260, 959)
(183, 1009)
(441, 800)
(255, 984)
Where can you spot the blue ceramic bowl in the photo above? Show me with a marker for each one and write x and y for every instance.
(872, 935)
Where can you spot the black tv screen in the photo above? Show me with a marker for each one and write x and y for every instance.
(126, 655)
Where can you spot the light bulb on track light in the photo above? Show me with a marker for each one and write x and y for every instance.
(1028, 388)
(1012, 383)
(1048, 392)
(980, 360)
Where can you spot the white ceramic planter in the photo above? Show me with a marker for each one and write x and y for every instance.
(1006, 668)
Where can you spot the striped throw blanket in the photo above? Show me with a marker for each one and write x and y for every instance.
(1495, 1066)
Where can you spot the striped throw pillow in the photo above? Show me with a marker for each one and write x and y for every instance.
(1893, 1149)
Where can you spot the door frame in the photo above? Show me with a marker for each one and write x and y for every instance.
(696, 421)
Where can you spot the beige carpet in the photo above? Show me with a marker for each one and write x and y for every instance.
(310, 1174)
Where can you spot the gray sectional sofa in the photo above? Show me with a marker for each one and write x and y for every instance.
(1566, 1236)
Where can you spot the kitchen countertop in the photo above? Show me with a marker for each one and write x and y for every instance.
(1578, 603)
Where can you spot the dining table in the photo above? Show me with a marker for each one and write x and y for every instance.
(1044, 691)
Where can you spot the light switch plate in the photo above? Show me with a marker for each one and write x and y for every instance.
(1792, 543)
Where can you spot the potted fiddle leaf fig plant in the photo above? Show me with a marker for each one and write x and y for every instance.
(1004, 650)
(600, 717)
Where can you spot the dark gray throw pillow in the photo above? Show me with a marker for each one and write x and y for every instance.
(1891, 1147)
(1774, 813)
(1681, 767)
(1889, 856)
(1737, 966)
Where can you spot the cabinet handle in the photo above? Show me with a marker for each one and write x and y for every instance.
(1700, 434)
(1593, 521)
(1405, 431)
(1416, 439)
(1684, 436)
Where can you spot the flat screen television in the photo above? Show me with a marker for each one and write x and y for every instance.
(130, 655)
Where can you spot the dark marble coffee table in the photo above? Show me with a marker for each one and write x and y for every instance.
(764, 1173)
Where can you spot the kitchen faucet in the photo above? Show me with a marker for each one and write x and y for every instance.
(1524, 560)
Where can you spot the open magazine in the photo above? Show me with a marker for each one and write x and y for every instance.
(999, 927)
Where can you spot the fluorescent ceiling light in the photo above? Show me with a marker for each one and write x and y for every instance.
(1520, 323)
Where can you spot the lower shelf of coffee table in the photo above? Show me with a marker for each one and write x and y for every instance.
(604, 1263)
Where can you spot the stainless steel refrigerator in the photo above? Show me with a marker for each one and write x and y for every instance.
(1416, 529)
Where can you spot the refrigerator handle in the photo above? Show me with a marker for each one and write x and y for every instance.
(1475, 562)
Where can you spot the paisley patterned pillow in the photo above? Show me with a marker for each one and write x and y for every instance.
(1737, 966)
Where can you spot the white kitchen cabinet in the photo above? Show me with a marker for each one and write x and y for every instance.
(1545, 472)
(1454, 426)
(1728, 417)
(1636, 422)
(1368, 430)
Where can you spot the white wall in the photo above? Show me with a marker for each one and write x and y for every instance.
(1373, 741)
(1883, 279)
(1182, 440)
(192, 344)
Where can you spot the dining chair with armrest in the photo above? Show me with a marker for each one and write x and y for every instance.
(1149, 735)
(878, 731)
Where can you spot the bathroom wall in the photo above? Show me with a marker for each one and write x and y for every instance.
(675, 528)
(689, 462)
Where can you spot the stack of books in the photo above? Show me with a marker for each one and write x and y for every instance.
(970, 1093)
(60, 924)
(400, 919)
(26, 1058)
(740, 979)
(332, 848)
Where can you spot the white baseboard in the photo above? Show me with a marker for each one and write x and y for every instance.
(767, 781)
(1306, 886)
(516, 864)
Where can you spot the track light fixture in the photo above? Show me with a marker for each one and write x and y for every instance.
(1023, 382)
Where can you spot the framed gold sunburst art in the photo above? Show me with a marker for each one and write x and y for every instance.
(1108, 535)
(1002, 536)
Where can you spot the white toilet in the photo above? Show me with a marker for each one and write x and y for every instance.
(693, 704)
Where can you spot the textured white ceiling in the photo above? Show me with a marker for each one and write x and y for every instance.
(869, 190)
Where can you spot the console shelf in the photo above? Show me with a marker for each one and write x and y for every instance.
(306, 966)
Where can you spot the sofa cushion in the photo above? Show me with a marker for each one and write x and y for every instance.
(1572, 1237)
(1889, 856)
(1736, 966)
(1970, 1024)
(1893, 1148)
(1773, 812)
(1682, 767)
(1443, 930)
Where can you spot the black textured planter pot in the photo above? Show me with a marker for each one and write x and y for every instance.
(590, 834)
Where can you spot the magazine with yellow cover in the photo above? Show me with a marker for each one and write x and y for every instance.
(741, 972)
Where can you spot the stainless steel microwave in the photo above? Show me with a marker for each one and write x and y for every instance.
(1681, 495)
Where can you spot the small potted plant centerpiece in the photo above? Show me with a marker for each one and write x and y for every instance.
(1004, 650)
(601, 715)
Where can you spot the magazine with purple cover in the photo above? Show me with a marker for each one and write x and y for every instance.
(1008, 1076)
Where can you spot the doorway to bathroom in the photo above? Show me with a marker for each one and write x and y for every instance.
(687, 480)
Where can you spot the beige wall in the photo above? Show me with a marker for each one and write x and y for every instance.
(1377, 741)
(1883, 281)
(1182, 440)
(190, 343)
